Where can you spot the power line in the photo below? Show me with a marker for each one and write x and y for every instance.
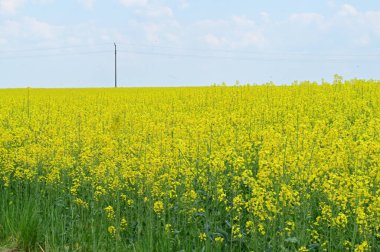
(55, 54)
(256, 58)
(274, 54)
(204, 54)
(238, 51)
(51, 48)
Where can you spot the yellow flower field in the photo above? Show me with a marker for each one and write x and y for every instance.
(243, 168)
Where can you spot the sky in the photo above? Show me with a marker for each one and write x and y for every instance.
(51, 43)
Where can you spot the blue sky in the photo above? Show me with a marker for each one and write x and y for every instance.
(51, 43)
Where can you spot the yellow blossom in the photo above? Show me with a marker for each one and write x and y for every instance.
(202, 236)
(168, 228)
(123, 224)
(158, 207)
(219, 239)
(362, 247)
(111, 230)
(109, 212)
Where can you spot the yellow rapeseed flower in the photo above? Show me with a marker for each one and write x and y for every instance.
(219, 239)
(363, 247)
(109, 212)
(123, 224)
(111, 230)
(158, 207)
(202, 236)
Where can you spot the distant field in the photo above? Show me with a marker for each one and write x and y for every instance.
(244, 168)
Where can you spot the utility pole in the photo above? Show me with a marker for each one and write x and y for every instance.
(115, 65)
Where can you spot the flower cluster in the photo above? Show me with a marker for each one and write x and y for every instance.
(295, 166)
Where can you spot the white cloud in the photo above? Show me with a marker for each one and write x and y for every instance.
(158, 11)
(212, 23)
(41, 1)
(315, 20)
(373, 18)
(348, 25)
(10, 28)
(183, 4)
(41, 29)
(363, 40)
(331, 3)
(11, 6)
(88, 4)
(243, 21)
(7, 29)
(245, 39)
(29, 29)
(152, 33)
(148, 9)
(214, 41)
(362, 26)
(307, 18)
(134, 3)
(233, 32)
(348, 10)
(173, 37)
(264, 15)
(251, 38)
(168, 31)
